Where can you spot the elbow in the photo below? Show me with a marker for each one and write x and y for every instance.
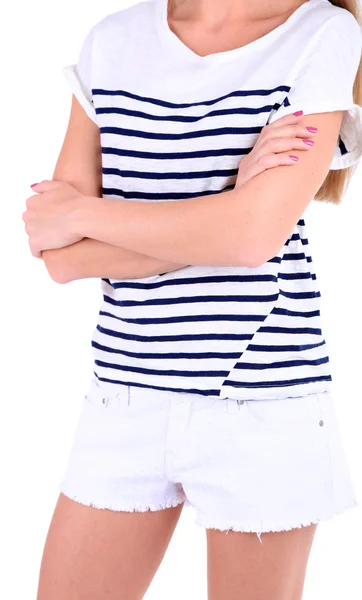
(57, 269)
(255, 256)
(255, 261)
(59, 277)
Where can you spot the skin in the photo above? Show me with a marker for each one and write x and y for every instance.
(96, 554)
(258, 215)
(80, 164)
(92, 258)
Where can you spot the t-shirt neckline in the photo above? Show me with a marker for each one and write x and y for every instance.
(174, 42)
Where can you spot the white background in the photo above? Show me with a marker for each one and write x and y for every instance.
(46, 328)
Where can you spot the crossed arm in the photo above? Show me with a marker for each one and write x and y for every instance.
(92, 258)
(80, 164)
(245, 226)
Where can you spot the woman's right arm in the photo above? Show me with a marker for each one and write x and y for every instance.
(80, 164)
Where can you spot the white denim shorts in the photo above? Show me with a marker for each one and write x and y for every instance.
(253, 465)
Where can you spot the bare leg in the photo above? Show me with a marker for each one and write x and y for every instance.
(241, 568)
(93, 554)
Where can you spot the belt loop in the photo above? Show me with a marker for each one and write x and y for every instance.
(232, 405)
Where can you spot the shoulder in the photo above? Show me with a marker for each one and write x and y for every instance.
(329, 31)
(322, 18)
(126, 21)
(337, 21)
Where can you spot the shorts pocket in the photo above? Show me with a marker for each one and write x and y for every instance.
(106, 401)
(297, 411)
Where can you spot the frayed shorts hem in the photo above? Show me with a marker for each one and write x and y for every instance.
(261, 526)
(131, 506)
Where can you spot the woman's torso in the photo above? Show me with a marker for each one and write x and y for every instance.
(175, 125)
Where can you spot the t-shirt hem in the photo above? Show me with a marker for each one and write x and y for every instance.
(276, 391)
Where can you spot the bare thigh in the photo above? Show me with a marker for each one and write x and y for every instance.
(92, 554)
(241, 568)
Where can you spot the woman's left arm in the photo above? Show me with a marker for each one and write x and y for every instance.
(245, 226)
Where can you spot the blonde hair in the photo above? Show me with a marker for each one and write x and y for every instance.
(337, 181)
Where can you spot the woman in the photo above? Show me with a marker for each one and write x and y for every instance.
(211, 383)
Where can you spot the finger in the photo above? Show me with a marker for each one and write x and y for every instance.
(292, 118)
(47, 185)
(32, 202)
(34, 249)
(291, 130)
(274, 145)
(269, 161)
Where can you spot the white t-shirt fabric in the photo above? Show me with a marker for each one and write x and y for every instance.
(175, 125)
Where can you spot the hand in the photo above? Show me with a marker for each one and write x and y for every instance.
(273, 147)
(49, 218)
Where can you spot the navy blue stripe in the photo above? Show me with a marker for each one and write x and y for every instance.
(122, 284)
(166, 355)
(176, 155)
(192, 300)
(342, 146)
(276, 384)
(296, 237)
(188, 318)
(290, 330)
(275, 259)
(161, 372)
(157, 101)
(162, 195)
(282, 364)
(292, 276)
(116, 382)
(181, 136)
(300, 295)
(294, 256)
(184, 118)
(297, 256)
(170, 175)
(293, 313)
(174, 338)
(286, 101)
(284, 348)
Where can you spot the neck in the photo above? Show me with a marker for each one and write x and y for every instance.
(214, 14)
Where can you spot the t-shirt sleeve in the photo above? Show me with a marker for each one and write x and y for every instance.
(324, 82)
(79, 75)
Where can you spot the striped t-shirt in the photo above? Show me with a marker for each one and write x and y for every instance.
(175, 125)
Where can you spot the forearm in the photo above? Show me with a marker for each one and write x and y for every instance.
(93, 258)
(242, 227)
(198, 231)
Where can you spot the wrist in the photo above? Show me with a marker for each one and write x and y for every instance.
(83, 214)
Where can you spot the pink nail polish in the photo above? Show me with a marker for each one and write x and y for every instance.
(32, 185)
(312, 129)
(309, 142)
(298, 113)
(293, 157)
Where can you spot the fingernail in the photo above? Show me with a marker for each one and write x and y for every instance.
(298, 113)
(293, 157)
(312, 129)
(32, 185)
(309, 142)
